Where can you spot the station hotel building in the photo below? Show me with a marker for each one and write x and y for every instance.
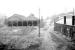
(66, 26)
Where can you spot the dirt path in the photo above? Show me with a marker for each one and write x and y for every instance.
(48, 39)
(48, 44)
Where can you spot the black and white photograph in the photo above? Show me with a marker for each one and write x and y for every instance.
(37, 24)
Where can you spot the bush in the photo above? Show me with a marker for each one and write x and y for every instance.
(28, 42)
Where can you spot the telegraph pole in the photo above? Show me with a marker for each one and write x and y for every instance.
(39, 22)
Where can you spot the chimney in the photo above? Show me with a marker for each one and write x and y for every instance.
(64, 19)
(73, 20)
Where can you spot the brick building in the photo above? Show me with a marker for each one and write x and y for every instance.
(19, 20)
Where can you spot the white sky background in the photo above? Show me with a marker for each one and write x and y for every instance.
(25, 7)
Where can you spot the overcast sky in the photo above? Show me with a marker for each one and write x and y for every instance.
(26, 7)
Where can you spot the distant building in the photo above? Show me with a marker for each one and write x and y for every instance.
(19, 20)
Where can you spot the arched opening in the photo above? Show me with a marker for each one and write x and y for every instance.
(10, 23)
(19, 23)
(29, 23)
(15, 23)
(35, 23)
(24, 23)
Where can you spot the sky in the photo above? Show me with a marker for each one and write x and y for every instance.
(26, 7)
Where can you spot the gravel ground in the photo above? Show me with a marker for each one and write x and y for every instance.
(48, 41)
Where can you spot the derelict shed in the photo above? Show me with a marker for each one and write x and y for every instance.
(19, 20)
(15, 20)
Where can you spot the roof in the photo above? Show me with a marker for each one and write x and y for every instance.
(16, 17)
(32, 17)
(68, 14)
